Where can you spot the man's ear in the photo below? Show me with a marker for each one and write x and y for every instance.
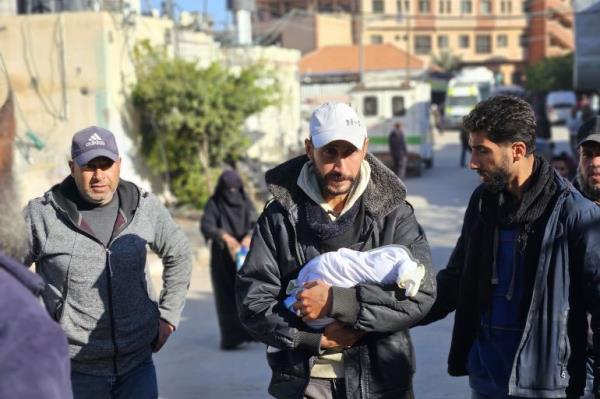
(365, 147)
(72, 167)
(308, 147)
(519, 151)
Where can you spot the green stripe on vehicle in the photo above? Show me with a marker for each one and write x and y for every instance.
(380, 140)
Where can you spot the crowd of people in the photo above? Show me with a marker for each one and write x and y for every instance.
(331, 276)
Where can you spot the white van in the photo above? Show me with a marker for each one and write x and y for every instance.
(470, 86)
(559, 105)
(383, 104)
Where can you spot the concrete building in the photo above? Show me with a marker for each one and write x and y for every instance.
(486, 32)
(304, 25)
(481, 32)
(275, 132)
(587, 48)
(275, 9)
(68, 71)
(330, 73)
(8, 7)
(550, 30)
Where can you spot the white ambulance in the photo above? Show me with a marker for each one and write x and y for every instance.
(383, 104)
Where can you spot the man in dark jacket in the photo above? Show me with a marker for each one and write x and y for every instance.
(34, 357)
(587, 182)
(336, 196)
(88, 238)
(588, 172)
(398, 150)
(525, 270)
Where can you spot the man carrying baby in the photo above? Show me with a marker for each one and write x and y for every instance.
(336, 196)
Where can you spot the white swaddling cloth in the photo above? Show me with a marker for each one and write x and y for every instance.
(346, 268)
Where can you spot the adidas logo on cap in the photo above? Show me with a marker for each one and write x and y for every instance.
(95, 139)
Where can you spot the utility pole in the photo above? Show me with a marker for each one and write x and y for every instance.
(361, 46)
(407, 23)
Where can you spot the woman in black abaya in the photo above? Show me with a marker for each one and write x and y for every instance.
(228, 220)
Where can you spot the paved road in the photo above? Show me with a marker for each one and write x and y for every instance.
(192, 366)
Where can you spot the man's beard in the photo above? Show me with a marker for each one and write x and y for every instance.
(590, 192)
(326, 191)
(497, 179)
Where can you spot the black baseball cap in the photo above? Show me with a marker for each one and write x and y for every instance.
(93, 142)
(589, 131)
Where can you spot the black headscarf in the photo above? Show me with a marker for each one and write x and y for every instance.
(232, 203)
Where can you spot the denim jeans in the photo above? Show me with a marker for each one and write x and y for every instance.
(139, 383)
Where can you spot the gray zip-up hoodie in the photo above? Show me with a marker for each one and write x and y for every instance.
(102, 296)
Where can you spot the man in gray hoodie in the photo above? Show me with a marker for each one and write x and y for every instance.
(88, 237)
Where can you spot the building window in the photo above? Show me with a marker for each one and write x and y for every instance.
(424, 6)
(398, 106)
(506, 7)
(463, 41)
(502, 41)
(466, 6)
(370, 106)
(442, 41)
(483, 44)
(376, 39)
(486, 7)
(445, 6)
(422, 44)
(378, 6)
(403, 6)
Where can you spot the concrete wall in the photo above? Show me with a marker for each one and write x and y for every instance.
(333, 29)
(275, 132)
(8, 7)
(69, 71)
(199, 47)
(7, 135)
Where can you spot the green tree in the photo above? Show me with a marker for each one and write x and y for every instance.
(446, 61)
(555, 73)
(192, 118)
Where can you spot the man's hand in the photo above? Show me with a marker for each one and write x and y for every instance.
(164, 332)
(338, 335)
(246, 241)
(314, 301)
(232, 244)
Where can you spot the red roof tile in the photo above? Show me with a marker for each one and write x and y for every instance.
(345, 59)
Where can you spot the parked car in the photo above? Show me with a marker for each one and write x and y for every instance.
(559, 105)
(511, 90)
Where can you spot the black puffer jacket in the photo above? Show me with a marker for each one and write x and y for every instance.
(382, 363)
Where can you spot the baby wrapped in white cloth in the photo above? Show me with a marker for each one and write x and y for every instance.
(346, 268)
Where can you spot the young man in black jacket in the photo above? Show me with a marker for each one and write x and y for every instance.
(525, 270)
(336, 196)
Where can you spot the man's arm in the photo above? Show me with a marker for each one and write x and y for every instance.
(33, 348)
(585, 251)
(35, 236)
(171, 244)
(259, 292)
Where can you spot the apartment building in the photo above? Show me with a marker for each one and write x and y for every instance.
(481, 32)
(550, 32)
(305, 25)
